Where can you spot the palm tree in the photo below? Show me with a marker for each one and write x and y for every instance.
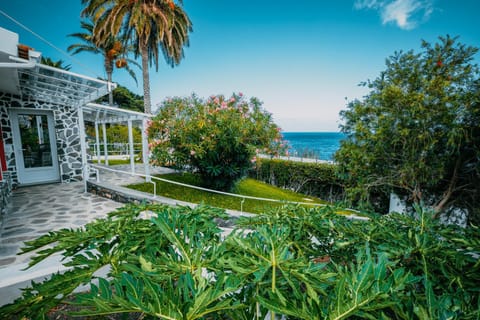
(150, 25)
(56, 64)
(112, 50)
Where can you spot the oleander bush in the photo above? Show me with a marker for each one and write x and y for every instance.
(216, 138)
(292, 263)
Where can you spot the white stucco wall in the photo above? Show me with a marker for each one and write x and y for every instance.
(8, 42)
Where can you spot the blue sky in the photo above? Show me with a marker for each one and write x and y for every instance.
(304, 59)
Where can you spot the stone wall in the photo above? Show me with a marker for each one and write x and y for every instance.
(66, 132)
(115, 194)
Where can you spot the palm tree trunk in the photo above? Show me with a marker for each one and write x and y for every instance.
(146, 80)
(109, 71)
(110, 93)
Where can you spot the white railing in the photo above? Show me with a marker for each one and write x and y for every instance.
(293, 158)
(242, 197)
(116, 148)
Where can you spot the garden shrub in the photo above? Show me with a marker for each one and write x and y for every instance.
(315, 179)
(216, 138)
(294, 262)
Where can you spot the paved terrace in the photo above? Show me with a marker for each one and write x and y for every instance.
(36, 210)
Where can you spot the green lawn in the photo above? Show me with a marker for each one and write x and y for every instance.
(113, 162)
(247, 187)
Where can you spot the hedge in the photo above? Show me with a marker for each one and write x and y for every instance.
(314, 179)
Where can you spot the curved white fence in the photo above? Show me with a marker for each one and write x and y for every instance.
(98, 168)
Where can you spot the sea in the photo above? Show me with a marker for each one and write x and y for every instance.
(314, 145)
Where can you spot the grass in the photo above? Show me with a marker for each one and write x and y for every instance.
(247, 187)
(113, 162)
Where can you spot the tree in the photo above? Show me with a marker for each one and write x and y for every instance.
(217, 138)
(56, 64)
(417, 132)
(126, 99)
(150, 25)
(112, 50)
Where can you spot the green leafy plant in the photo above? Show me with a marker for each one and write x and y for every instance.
(216, 138)
(315, 179)
(292, 263)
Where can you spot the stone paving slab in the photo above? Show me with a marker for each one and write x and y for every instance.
(36, 210)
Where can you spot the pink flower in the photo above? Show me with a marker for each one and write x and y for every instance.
(240, 94)
(254, 159)
(192, 152)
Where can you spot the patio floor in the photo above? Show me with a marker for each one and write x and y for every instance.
(36, 210)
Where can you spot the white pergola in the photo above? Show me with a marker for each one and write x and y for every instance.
(102, 115)
(34, 81)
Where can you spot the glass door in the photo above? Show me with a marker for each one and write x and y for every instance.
(35, 146)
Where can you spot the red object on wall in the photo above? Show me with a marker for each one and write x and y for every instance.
(3, 162)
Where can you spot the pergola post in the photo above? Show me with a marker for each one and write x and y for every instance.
(105, 151)
(130, 144)
(97, 142)
(145, 149)
(83, 146)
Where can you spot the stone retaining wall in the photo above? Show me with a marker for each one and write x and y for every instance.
(115, 194)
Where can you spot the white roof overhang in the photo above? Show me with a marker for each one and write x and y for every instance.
(44, 83)
(21, 74)
(99, 113)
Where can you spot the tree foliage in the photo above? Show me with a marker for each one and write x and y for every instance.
(152, 27)
(292, 263)
(56, 64)
(125, 99)
(417, 132)
(217, 138)
(113, 51)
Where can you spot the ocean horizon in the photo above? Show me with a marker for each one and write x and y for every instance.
(315, 145)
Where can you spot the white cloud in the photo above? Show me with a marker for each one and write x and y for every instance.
(367, 4)
(406, 14)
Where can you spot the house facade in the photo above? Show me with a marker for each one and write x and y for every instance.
(43, 111)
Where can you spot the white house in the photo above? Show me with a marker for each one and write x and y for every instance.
(43, 111)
